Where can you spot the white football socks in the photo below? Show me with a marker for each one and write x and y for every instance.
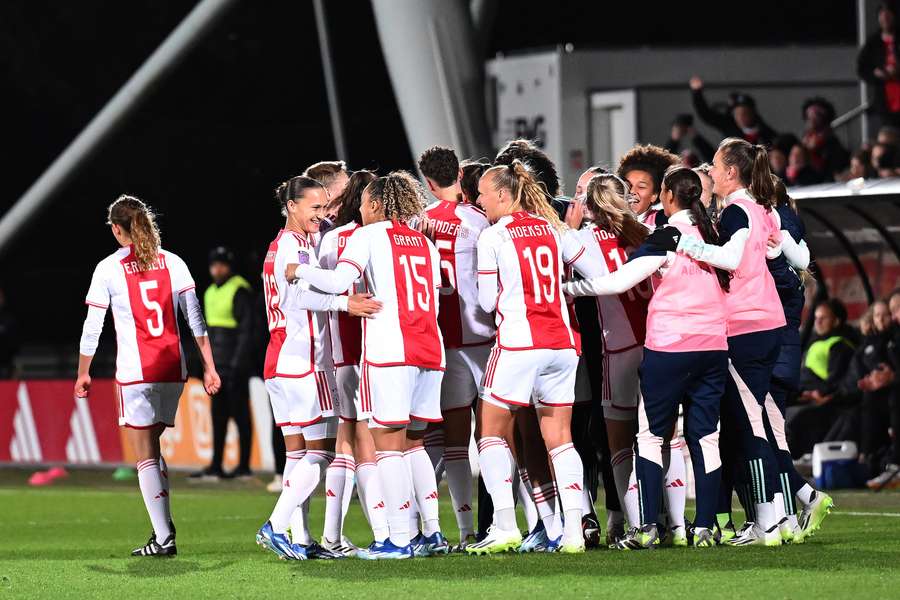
(676, 488)
(372, 499)
(623, 473)
(395, 485)
(424, 487)
(569, 473)
(459, 481)
(155, 497)
(545, 500)
(496, 470)
(164, 479)
(298, 486)
(523, 494)
(338, 489)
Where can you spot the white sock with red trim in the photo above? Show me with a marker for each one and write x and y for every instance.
(496, 471)
(299, 528)
(547, 508)
(371, 499)
(676, 489)
(164, 479)
(569, 484)
(434, 446)
(299, 484)
(459, 481)
(623, 473)
(155, 496)
(336, 477)
(524, 497)
(395, 484)
(424, 486)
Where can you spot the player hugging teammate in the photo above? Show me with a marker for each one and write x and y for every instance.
(396, 324)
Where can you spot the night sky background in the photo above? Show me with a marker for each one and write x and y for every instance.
(247, 109)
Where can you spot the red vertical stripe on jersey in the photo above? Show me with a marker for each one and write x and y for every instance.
(542, 303)
(275, 317)
(445, 222)
(416, 302)
(349, 327)
(634, 303)
(150, 298)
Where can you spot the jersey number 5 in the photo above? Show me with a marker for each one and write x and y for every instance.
(155, 329)
(543, 275)
(421, 295)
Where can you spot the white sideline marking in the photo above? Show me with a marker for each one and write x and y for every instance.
(865, 514)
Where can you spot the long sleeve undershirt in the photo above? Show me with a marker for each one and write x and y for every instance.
(619, 281)
(336, 281)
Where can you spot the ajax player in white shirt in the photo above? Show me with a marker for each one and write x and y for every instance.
(521, 259)
(145, 286)
(468, 331)
(299, 371)
(355, 447)
(403, 353)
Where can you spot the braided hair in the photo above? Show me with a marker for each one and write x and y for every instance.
(400, 194)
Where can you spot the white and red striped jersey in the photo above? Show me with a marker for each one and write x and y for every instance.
(456, 228)
(524, 257)
(298, 338)
(346, 330)
(144, 312)
(623, 317)
(400, 266)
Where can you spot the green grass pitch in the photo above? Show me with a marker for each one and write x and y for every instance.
(73, 540)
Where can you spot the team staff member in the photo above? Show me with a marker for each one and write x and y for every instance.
(145, 285)
(684, 355)
(741, 176)
(227, 304)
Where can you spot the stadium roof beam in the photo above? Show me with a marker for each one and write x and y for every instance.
(163, 60)
(334, 106)
(851, 253)
(436, 72)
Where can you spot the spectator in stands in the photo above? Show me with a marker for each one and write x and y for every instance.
(799, 170)
(740, 120)
(884, 160)
(884, 378)
(826, 153)
(9, 339)
(779, 151)
(861, 165)
(825, 366)
(685, 141)
(877, 65)
(869, 364)
(888, 134)
(227, 305)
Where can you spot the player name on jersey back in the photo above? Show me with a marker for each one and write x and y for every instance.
(456, 228)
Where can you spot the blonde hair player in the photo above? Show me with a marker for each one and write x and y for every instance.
(145, 285)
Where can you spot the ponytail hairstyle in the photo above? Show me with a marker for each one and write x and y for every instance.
(293, 190)
(686, 189)
(781, 195)
(139, 222)
(605, 198)
(351, 198)
(527, 192)
(752, 164)
(400, 193)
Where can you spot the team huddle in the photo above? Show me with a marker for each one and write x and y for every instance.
(574, 330)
